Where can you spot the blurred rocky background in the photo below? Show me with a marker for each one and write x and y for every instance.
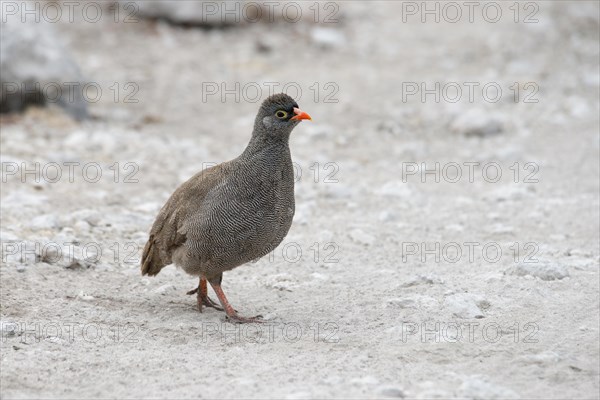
(106, 107)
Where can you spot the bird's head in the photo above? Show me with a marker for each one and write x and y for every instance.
(278, 115)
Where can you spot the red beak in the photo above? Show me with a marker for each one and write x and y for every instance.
(300, 115)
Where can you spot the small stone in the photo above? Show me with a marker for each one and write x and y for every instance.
(84, 296)
(45, 221)
(422, 280)
(465, 305)
(50, 254)
(328, 37)
(391, 391)
(544, 270)
(81, 226)
(194, 12)
(477, 122)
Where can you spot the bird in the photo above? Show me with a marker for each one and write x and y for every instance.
(232, 213)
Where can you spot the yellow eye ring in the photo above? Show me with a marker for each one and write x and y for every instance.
(281, 114)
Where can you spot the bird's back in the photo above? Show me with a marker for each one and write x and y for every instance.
(225, 216)
(168, 231)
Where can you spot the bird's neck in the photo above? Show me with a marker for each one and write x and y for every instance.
(267, 145)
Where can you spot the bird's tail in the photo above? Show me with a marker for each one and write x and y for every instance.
(151, 261)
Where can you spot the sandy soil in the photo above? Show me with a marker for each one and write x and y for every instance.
(386, 286)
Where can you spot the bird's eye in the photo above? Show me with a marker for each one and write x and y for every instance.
(281, 114)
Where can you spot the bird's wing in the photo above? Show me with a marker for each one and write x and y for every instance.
(169, 230)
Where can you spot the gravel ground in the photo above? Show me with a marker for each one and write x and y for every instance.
(394, 281)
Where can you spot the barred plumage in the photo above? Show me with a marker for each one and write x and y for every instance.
(234, 212)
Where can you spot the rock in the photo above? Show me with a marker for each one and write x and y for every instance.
(36, 67)
(476, 388)
(81, 226)
(391, 391)
(477, 122)
(544, 270)
(465, 305)
(92, 217)
(200, 13)
(85, 296)
(327, 37)
(361, 237)
(422, 280)
(44, 221)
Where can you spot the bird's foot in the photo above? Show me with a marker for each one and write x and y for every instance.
(245, 320)
(204, 300)
(208, 302)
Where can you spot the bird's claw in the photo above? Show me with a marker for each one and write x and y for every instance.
(208, 302)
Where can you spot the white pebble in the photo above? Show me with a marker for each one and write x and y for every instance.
(465, 305)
